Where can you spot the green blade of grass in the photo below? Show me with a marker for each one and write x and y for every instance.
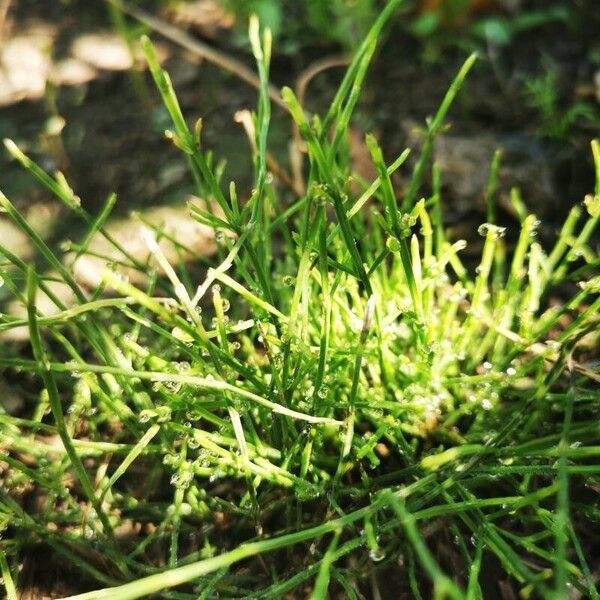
(129, 459)
(562, 522)
(322, 582)
(180, 575)
(433, 130)
(55, 403)
(442, 584)
(9, 584)
(200, 382)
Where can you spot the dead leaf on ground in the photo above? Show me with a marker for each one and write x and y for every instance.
(71, 71)
(106, 51)
(174, 222)
(207, 16)
(25, 64)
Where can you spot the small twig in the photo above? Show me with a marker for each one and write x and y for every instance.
(297, 149)
(278, 170)
(4, 23)
(176, 35)
(304, 79)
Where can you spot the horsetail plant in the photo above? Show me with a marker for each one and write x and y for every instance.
(338, 389)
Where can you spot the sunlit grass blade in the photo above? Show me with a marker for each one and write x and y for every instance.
(433, 130)
(55, 402)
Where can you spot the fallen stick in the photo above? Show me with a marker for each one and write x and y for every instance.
(199, 48)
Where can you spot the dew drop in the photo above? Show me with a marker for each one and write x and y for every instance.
(146, 415)
(376, 555)
(184, 479)
(173, 386)
(169, 459)
(215, 476)
(163, 413)
(493, 230)
(392, 244)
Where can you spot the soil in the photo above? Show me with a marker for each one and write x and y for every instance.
(112, 139)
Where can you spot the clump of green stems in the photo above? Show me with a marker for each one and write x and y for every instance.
(339, 390)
